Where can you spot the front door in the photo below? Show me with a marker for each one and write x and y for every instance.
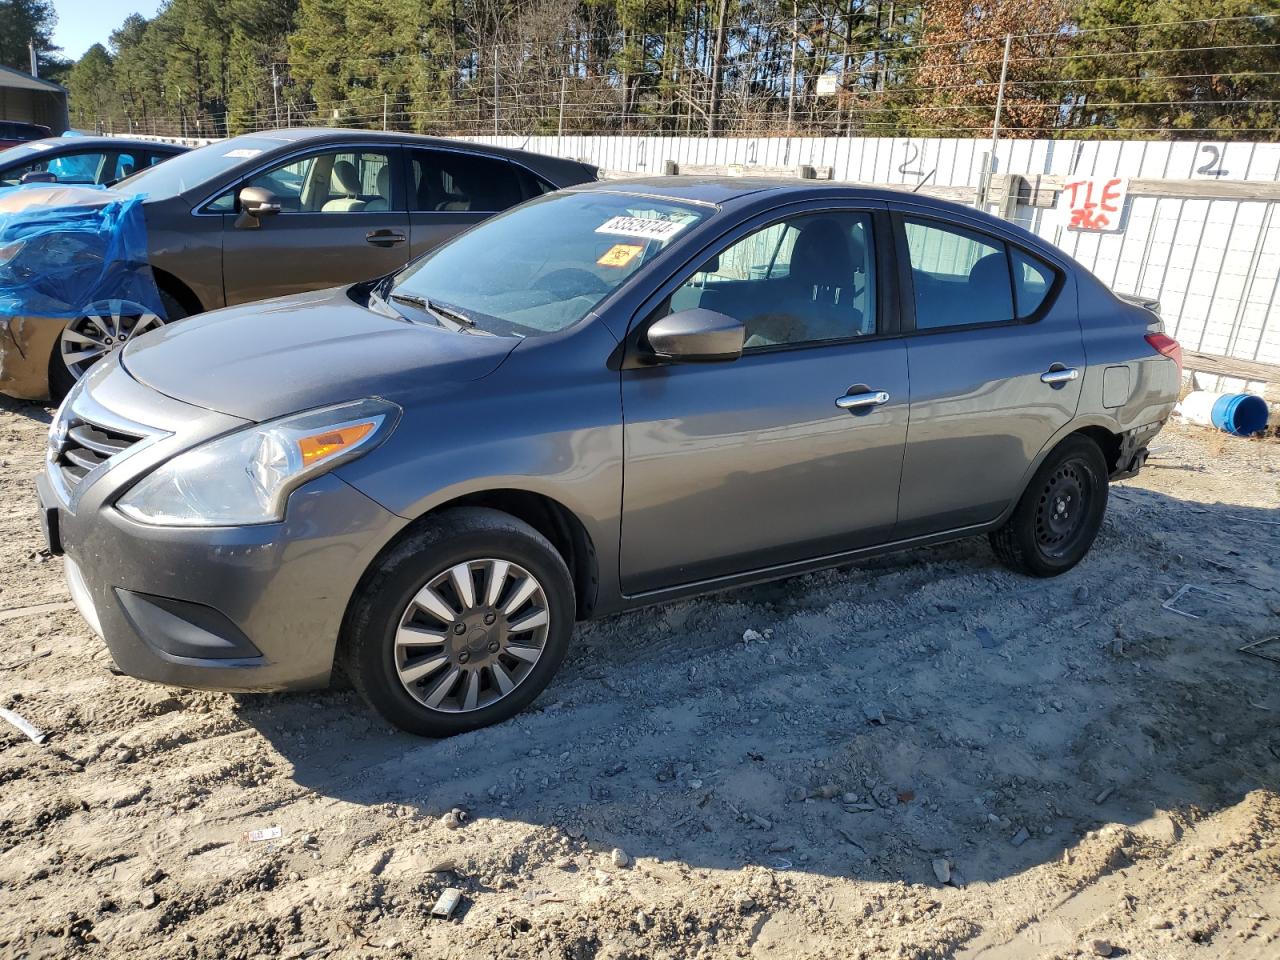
(747, 464)
(342, 219)
(996, 366)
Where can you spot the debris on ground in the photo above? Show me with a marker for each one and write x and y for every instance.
(448, 902)
(33, 733)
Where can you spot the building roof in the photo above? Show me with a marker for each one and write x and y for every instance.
(18, 80)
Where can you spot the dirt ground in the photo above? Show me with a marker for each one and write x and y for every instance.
(784, 771)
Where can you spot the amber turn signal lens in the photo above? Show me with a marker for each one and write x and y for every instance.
(321, 445)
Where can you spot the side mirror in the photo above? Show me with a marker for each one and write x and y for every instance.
(696, 336)
(255, 203)
(38, 176)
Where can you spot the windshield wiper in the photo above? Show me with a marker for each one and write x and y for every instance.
(448, 317)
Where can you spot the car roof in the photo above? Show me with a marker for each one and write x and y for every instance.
(307, 134)
(724, 189)
(128, 143)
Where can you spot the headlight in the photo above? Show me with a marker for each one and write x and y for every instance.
(246, 477)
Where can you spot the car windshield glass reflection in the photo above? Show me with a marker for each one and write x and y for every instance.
(545, 265)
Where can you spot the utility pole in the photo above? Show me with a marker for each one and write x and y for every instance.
(717, 55)
(384, 111)
(791, 87)
(495, 88)
(985, 188)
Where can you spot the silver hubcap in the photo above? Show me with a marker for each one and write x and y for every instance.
(471, 635)
(105, 327)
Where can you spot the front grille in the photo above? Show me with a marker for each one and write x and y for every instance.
(87, 445)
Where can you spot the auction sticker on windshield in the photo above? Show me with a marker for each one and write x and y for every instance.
(620, 254)
(642, 227)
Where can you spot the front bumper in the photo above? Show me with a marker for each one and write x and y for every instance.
(26, 347)
(221, 608)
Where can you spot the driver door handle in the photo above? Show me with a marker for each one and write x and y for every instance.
(384, 238)
(861, 401)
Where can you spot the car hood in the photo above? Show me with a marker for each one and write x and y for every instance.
(30, 196)
(276, 357)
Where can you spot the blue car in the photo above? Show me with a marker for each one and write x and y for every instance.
(93, 160)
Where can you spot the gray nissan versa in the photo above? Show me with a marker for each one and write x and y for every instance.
(606, 397)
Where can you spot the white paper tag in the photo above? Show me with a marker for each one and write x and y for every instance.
(642, 227)
(242, 153)
(266, 833)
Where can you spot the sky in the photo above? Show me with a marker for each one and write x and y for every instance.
(82, 23)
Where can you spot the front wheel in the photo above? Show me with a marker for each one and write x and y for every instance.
(460, 625)
(1059, 515)
(104, 327)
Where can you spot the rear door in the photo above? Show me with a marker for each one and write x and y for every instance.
(996, 359)
(762, 461)
(343, 219)
(450, 190)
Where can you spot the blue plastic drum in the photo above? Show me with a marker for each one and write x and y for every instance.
(1242, 414)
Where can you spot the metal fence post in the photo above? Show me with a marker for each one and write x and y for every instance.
(984, 188)
(564, 80)
(495, 89)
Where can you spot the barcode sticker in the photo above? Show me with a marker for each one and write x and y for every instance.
(642, 227)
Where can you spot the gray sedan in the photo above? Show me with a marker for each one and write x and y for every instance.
(281, 212)
(422, 478)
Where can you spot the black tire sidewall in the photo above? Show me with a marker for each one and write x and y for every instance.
(1024, 520)
(370, 641)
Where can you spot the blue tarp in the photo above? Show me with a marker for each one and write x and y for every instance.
(63, 248)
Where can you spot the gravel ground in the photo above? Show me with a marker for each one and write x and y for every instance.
(919, 756)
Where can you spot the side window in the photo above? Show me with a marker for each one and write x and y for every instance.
(1032, 281)
(443, 181)
(960, 278)
(351, 181)
(77, 167)
(806, 279)
(126, 165)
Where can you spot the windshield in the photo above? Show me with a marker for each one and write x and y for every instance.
(546, 264)
(191, 169)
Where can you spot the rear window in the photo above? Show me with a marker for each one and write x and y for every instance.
(1032, 281)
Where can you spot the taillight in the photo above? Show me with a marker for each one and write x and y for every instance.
(1166, 346)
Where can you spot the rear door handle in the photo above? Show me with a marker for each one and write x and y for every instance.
(861, 401)
(1056, 377)
(384, 238)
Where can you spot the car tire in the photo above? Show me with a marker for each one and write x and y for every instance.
(480, 656)
(62, 378)
(1059, 514)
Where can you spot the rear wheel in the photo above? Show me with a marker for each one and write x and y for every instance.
(104, 327)
(461, 625)
(1059, 515)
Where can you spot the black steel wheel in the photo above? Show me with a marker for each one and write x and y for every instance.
(1059, 514)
